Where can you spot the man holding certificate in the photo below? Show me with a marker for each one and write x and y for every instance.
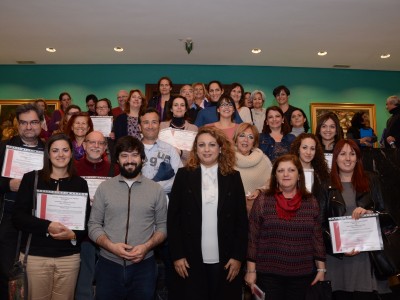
(127, 221)
(13, 164)
(61, 210)
(354, 193)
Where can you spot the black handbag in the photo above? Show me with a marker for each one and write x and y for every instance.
(18, 280)
(382, 264)
(322, 290)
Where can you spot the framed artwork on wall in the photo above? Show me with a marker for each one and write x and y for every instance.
(344, 111)
(7, 108)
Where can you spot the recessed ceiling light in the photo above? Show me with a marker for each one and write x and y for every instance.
(256, 50)
(118, 49)
(51, 49)
(322, 53)
(385, 55)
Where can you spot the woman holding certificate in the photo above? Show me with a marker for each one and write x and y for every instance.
(353, 193)
(286, 253)
(207, 222)
(176, 120)
(53, 260)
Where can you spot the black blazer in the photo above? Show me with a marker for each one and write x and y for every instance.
(185, 221)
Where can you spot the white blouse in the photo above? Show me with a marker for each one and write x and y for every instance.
(209, 226)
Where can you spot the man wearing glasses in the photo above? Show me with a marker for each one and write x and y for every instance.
(92, 164)
(29, 119)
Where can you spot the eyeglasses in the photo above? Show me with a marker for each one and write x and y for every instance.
(32, 123)
(101, 107)
(249, 136)
(226, 105)
(92, 143)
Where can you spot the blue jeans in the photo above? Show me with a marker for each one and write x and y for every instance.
(84, 285)
(133, 282)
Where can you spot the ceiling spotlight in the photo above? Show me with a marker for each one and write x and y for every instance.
(118, 49)
(256, 50)
(51, 49)
(385, 55)
(322, 53)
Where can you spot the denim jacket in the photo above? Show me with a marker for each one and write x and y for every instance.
(267, 144)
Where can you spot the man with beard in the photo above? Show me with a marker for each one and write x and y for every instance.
(29, 119)
(128, 219)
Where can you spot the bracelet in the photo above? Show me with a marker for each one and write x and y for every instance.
(251, 271)
(321, 270)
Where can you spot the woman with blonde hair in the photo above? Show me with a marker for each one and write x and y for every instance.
(207, 222)
(254, 166)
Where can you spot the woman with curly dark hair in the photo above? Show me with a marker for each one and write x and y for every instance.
(207, 222)
(308, 149)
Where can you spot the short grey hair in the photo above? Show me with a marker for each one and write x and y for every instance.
(254, 93)
(394, 100)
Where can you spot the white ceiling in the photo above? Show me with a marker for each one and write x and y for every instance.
(289, 32)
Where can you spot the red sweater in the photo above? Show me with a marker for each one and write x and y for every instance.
(102, 169)
(281, 247)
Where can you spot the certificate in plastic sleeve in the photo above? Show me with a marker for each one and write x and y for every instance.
(93, 183)
(181, 139)
(102, 124)
(348, 234)
(18, 161)
(68, 208)
(328, 158)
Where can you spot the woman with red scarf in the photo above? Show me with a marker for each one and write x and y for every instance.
(286, 253)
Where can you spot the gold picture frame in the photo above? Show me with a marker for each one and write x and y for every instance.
(7, 108)
(344, 111)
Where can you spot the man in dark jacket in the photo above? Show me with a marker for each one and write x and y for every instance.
(392, 133)
(29, 119)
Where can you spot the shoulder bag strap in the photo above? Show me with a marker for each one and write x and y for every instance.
(28, 243)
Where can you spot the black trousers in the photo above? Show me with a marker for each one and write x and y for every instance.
(278, 287)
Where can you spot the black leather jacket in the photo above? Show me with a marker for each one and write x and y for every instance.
(333, 205)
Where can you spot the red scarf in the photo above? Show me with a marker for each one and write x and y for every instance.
(287, 208)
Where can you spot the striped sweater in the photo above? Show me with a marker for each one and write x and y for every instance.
(281, 247)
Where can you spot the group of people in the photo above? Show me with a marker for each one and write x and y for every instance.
(247, 204)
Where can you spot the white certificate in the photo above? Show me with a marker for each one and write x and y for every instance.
(309, 178)
(328, 158)
(181, 139)
(68, 208)
(93, 183)
(102, 124)
(363, 234)
(18, 161)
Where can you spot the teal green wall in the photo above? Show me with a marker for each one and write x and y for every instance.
(307, 85)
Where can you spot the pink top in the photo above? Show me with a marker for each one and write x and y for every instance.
(229, 132)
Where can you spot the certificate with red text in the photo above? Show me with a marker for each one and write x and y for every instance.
(18, 161)
(348, 234)
(68, 208)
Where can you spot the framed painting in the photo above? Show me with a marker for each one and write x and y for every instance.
(344, 111)
(7, 108)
